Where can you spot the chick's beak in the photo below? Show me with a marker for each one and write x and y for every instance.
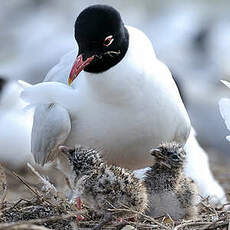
(78, 66)
(64, 149)
(160, 157)
(155, 152)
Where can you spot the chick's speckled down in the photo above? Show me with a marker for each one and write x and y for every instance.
(170, 191)
(104, 187)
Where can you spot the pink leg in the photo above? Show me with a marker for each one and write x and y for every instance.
(79, 207)
(119, 219)
(79, 204)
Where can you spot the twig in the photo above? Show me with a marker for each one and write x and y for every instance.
(15, 226)
(210, 208)
(215, 223)
(18, 202)
(226, 204)
(194, 223)
(141, 214)
(47, 185)
(43, 220)
(26, 184)
(143, 225)
(225, 223)
(40, 197)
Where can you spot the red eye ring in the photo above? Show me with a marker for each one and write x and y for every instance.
(108, 40)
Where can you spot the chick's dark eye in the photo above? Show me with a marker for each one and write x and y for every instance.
(175, 157)
(108, 40)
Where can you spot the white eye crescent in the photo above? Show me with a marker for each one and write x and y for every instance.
(108, 40)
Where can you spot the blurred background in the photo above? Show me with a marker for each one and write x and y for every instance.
(191, 37)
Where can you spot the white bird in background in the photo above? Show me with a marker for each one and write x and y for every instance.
(16, 125)
(224, 106)
(124, 101)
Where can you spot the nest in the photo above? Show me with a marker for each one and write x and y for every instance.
(29, 214)
(36, 212)
(48, 209)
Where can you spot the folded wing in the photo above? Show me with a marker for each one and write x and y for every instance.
(51, 127)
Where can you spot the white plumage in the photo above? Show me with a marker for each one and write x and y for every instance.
(126, 110)
(16, 125)
(197, 167)
(224, 106)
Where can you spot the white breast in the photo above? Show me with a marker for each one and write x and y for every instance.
(165, 203)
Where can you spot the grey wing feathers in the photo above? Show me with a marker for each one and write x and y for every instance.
(51, 127)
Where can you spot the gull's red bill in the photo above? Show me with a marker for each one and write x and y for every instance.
(78, 66)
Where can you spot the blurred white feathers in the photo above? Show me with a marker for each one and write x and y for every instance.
(224, 106)
(48, 93)
(16, 127)
(198, 169)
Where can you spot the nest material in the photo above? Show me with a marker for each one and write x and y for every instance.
(36, 212)
(48, 210)
(23, 227)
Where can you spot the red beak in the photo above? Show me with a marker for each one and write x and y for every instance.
(78, 66)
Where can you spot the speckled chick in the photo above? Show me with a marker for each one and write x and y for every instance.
(104, 187)
(170, 191)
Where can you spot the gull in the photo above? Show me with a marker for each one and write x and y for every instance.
(120, 98)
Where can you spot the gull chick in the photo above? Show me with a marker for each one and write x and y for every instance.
(103, 187)
(169, 190)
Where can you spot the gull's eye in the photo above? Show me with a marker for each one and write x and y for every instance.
(108, 41)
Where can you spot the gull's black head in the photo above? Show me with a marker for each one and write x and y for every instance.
(101, 36)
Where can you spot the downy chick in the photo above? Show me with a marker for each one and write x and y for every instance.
(170, 191)
(103, 187)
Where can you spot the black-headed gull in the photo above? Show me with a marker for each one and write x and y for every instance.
(125, 101)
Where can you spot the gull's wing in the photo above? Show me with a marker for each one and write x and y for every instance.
(224, 106)
(226, 83)
(51, 127)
